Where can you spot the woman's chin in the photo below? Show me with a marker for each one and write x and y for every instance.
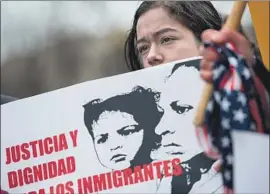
(159, 156)
(120, 166)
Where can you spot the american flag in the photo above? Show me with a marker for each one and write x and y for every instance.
(239, 102)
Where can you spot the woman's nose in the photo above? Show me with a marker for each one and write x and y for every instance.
(162, 129)
(116, 147)
(154, 57)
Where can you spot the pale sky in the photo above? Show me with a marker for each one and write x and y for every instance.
(26, 24)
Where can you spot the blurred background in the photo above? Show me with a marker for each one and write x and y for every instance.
(47, 45)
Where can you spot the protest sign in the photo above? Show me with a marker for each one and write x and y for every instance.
(130, 133)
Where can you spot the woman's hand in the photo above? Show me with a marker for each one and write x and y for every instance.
(217, 166)
(220, 37)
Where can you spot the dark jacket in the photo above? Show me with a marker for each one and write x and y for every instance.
(263, 74)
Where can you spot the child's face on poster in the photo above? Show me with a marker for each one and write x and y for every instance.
(179, 99)
(117, 139)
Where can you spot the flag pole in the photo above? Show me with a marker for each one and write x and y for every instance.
(233, 22)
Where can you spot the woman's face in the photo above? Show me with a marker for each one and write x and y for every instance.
(162, 39)
(179, 99)
(117, 139)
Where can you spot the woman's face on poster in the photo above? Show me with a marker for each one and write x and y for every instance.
(117, 139)
(179, 99)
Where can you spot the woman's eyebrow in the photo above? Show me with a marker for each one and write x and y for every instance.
(164, 30)
(100, 134)
(141, 40)
(157, 33)
(123, 128)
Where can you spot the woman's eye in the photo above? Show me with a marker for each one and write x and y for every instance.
(166, 40)
(181, 108)
(128, 130)
(103, 138)
(143, 49)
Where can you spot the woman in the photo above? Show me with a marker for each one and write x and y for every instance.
(165, 31)
(123, 137)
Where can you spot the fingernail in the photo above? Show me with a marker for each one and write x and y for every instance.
(216, 37)
(217, 166)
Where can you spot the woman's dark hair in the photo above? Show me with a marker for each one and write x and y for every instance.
(142, 104)
(195, 15)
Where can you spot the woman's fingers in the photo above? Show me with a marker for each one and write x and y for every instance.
(206, 64)
(221, 37)
(209, 56)
(206, 75)
(206, 67)
(217, 166)
(226, 35)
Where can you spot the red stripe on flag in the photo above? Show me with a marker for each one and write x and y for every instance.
(228, 190)
(233, 77)
(209, 151)
(202, 136)
(224, 80)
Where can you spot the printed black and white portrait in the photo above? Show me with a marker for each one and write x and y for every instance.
(179, 98)
(145, 125)
(123, 128)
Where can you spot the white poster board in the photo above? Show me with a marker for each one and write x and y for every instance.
(130, 133)
(251, 162)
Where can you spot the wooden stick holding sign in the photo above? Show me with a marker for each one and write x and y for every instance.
(233, 22)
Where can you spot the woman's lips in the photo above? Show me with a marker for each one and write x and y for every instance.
(173, 149)
(172, 145)
(118, 157)
(175, 153)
